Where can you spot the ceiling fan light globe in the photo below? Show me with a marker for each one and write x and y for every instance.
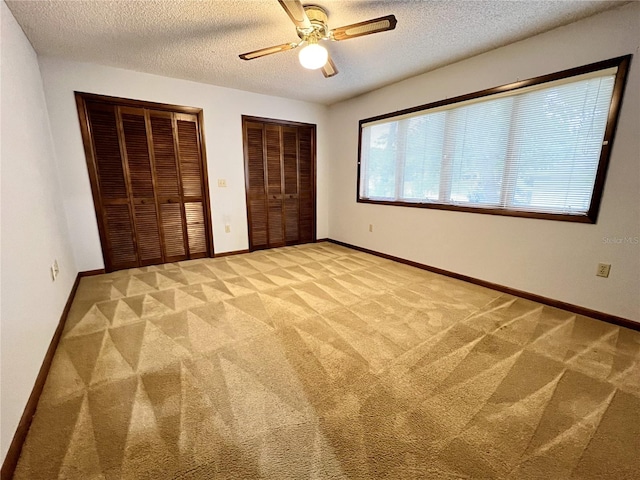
(313, 56)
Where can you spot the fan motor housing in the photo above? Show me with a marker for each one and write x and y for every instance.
(318, 18)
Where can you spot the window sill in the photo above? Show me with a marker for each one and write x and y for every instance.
(564, 217)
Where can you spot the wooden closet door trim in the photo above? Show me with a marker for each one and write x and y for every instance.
(275, 121)
(206, 199)
(138, 103)
(283, 186)
(87, 142)
(314, 187)
(313, 178)
(298, 180)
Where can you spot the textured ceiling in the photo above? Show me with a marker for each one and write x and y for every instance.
(201, 40)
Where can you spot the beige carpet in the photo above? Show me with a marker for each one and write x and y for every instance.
(320, 362)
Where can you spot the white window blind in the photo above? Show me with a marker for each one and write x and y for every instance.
(535, 149)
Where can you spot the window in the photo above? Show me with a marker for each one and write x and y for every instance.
(536, 148)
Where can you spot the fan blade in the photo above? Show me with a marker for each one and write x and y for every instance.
(267, 51)
(296, 13)
(375, 25)
(329, 69)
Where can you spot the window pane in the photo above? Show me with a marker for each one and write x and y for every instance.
(423, 157)
(476, 147)
(559, 137)
(381, 161)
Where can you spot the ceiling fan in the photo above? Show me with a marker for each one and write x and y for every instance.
(311, 26)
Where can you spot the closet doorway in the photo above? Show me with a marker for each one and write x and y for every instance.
(280, 181)
(148, 177)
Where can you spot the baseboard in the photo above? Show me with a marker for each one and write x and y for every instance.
(228, 254)
(587, 312)
(240, 252)
(13, 454)
(90, 273)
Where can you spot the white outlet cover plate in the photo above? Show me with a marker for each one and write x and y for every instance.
(603, 270)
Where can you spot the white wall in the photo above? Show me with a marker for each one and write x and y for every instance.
(34, 230)
(222, 109)
(549, 258)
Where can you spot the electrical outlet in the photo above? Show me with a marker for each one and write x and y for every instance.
(371, 227)
(603, 270)
(227, 229)
(222, 182)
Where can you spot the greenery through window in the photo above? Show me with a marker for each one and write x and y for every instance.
(535, 148)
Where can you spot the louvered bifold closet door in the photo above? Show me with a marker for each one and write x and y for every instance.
(306, 184)
(148, 178)
(290, 167)
(114, 211)
(255, 185)
(192, 183)
(143, 199)
(280, 182)
(275, 199)
(168, 190)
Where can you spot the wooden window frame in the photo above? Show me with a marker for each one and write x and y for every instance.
(83, 115)
(612, 121)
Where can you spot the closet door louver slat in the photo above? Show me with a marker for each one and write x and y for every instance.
(189, 158)
(192, 185)
(149, 248)
(107, 152)
(307, 184)
(135, 138)
(115, 215)
(141, 184)
(255, 185)
(274, 185)
(196, 229)
(172, 228)
(167, 184)
(290, 162)
(119, 226)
